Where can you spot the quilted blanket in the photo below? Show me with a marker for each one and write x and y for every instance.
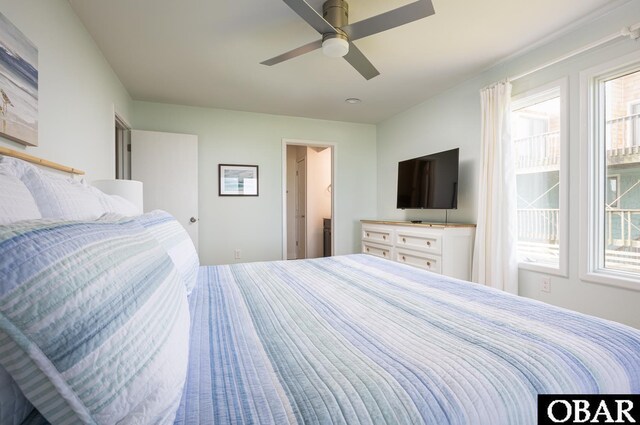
(360, 340)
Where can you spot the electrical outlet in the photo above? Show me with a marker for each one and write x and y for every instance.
(237, 253)
(545, 284)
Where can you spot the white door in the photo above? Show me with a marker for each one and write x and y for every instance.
(167, 165)
(301, 208)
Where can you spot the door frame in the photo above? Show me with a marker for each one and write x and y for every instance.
(297, 211)
(334, 157)
(122, 134)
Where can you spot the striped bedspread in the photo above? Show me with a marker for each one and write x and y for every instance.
(360, 340)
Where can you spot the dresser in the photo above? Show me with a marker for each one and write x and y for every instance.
(440, 248)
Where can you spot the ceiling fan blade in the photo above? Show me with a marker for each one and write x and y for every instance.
(294, 53)
(360, 62)
(385, 21)
(310, 15)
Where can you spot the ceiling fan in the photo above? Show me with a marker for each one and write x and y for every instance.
(338, 35)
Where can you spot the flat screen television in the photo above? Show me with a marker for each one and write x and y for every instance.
(429, 182)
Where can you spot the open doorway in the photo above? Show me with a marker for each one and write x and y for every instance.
(123, 149)
(308, 199)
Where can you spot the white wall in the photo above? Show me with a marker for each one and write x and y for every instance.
(78, 90)
(452, 119)
(254, 224)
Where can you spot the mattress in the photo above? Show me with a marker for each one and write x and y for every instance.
(359, 340)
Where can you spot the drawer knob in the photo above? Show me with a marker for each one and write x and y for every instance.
(428, 243)
(384, 237)
(367, 249)
(404, 239)
(367, 234)
(429, 263)
(384, 253)
(403, 258)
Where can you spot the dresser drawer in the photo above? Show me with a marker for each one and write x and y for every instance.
(379, 235)
(419, 259)
(423, 241)
(381, 251)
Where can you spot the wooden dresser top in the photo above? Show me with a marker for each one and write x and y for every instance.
(423, 224)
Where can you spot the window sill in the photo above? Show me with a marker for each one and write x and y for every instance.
(618, 279)
(535, 267)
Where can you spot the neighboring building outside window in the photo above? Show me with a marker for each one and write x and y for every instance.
(611, 183)
(622, 152)
(539, 136)
(613, 190)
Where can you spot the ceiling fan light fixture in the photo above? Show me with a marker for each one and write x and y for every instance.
(335, 47)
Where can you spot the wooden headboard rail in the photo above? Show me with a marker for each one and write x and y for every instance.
(39, 161)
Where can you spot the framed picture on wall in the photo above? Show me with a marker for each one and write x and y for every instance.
(237, 180)
(18, 85)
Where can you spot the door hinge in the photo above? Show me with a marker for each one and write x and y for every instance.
(129, 147)
(296, 243)
(296, 173)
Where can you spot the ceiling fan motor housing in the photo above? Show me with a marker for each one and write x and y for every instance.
(336, 12)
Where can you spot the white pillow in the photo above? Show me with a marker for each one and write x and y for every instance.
(115, 204)
(62, 197)
(16, 202)
(119, 205)
(56, 196)
(14, 167)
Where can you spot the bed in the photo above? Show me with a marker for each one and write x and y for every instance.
(348, 339)
(357, 339)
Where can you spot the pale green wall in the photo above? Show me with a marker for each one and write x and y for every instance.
(254, 224)
(452, 119)
(78, 90)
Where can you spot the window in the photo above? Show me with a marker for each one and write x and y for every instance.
(613, 191)
(539, 134)
(611, 176)
(634, 113)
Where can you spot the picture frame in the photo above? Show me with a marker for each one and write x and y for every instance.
(18, 85)
(238, 180)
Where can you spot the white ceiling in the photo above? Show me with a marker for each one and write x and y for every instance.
(207, 52)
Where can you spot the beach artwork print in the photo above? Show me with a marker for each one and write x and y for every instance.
(18, 85)
(238, 180)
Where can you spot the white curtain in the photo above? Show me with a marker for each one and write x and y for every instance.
(494, 256)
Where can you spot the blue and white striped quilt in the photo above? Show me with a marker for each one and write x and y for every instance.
(360, 340)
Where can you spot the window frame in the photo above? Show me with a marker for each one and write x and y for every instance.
(536, 95)
(593, 172)
(617, 179)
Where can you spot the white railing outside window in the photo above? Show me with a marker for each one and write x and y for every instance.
(538, 236)
(623, 228)
(538, 150)
(539, 224)
(622, 135)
